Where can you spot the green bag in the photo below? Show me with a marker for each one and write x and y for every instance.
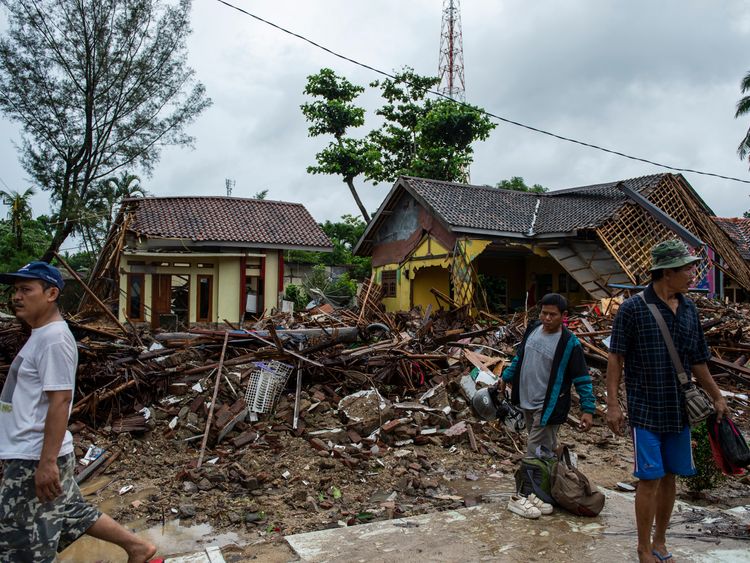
(535, 476)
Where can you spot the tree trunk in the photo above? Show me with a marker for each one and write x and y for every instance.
(57, 241)
(355, 195)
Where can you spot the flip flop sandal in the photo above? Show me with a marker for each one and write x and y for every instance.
(660, 557)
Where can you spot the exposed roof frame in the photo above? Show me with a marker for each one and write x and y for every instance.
(662, 217)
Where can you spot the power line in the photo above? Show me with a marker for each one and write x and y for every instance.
(485, 112)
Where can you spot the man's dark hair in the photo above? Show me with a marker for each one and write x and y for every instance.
(47, 285)
(656, 275)
(554, 299)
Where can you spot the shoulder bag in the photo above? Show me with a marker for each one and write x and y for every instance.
(697, 402)
(572, 490)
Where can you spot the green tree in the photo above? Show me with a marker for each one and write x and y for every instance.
(334, 113)
(102, 202)
(403, 110)
(97, 86)
(419, 136)
(263, 194)
(344, 235)
(19, 211)
(517, 184)
(743, 108)
(425, 137)
(36, 238)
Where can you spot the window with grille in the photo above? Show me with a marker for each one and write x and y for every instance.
(388, 281)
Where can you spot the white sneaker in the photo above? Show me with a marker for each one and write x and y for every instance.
(544, 507)
(521, 506)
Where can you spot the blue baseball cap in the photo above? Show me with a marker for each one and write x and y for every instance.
(35, 271)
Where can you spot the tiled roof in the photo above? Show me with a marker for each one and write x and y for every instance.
(738, 229)
(477, 207)
(492, 209)
(227, 219)
(587, 207)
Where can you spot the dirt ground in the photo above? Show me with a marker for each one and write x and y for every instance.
(295, 488)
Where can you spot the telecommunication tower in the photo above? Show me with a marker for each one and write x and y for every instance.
(451, 67)
(229, 183)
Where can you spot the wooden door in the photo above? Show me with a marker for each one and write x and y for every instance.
(161, 297)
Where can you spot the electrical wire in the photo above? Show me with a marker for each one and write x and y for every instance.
(485, 112)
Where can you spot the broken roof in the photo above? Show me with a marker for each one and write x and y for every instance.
(226, 219)
(473, 209)
(738, 229)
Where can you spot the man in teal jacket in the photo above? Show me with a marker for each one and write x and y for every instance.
(549, 361)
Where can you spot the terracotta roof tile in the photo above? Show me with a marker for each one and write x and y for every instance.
(227, 219)
(738, 229)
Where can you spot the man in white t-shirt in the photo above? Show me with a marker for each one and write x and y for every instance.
(41, 508)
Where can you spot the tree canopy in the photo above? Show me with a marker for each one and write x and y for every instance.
(430, 138)
(743, 108)
(419, 136)
(36, 237)
(19, 211)
(517, 184)
(97, 86)
(344, 235)
(333, 112)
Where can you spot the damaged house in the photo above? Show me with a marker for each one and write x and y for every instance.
(177, 261)
(435, 242)
(738, 229)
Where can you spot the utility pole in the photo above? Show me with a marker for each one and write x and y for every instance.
(451, 65)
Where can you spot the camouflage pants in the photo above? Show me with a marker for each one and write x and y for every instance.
(32, 531)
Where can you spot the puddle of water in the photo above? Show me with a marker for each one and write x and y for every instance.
(117, 502)
(493, 488)
(172, 538)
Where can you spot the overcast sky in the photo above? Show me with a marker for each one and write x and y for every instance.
(658, 80)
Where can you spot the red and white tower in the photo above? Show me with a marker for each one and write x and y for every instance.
(451, 68)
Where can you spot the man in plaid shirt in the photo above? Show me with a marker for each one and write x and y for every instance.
(656, 403)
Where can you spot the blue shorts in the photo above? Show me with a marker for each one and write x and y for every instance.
(659, 453)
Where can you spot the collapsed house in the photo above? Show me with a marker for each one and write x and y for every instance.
(738, 229)
(177, 261)
(433, 242)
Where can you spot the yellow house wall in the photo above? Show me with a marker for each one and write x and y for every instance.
(426, 279)
(226, 286)
(547, 265)
(403, 285)
(271, 282)
(430, 262)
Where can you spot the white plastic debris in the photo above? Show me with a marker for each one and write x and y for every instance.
(486, 377)
(91, 455)
(125, 489)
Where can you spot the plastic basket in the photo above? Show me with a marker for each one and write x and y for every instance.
(265, 385)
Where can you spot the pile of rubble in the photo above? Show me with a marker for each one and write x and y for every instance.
(304, 420)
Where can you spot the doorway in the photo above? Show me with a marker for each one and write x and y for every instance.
(170, 298)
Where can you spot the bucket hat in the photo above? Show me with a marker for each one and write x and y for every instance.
(35, 271)
(671, 254)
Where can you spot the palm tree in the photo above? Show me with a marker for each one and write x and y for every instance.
(743, 108)
(100, 205)
(116, 189)
(20, 211)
